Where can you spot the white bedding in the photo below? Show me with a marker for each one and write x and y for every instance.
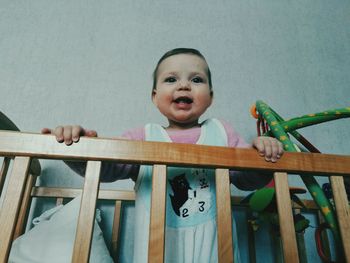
(52, 239)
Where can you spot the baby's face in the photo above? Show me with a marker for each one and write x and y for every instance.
(182, 92)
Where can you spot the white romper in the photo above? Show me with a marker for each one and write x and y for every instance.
(191, 235)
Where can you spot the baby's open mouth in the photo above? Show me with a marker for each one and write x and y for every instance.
(186, 100)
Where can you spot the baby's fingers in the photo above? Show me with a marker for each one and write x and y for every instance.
(276, 149)
(78, 131)
(259, 146)
(274, 144)
(46, 131)
(263, 145)
(280, 150)
(268, 147)
(67, 135)
(90, 133)
(58, 132)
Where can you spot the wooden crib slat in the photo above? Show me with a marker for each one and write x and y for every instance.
(23, 212)
(11, 203)
(284, 206)
(4, 167)
(224, 219)
(86, 217)
(343, 212)
(157, 222)
(115, 229)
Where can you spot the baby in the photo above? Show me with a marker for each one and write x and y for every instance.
(182, 91)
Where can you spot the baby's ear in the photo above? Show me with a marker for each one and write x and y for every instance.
(154, 92)
(211, 98)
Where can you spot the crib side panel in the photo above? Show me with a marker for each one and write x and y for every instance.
(11, 204)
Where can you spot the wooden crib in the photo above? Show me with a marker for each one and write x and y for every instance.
(23, 149)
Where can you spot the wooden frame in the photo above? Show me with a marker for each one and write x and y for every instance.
(25, 146)
(120, 196)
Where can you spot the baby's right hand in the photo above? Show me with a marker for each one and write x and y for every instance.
(69, 133)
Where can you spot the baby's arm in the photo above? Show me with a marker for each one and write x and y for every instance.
(267, 147)
(272, 150)
(110, 171)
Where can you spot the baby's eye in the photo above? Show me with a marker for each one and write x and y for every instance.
(170, 79)
(198, 80)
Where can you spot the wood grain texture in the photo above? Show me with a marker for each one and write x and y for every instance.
(223, 214)
(25, 204)
(127, 151)
(343, 212)
(11, 203)
(86, 219)
(115, 230)
(285, 216)
(157, 222)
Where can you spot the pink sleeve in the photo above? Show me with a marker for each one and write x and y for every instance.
(137, 134)
(234, 139)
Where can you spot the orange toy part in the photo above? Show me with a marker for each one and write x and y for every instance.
(253, 111)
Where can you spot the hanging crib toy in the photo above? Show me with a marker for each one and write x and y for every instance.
(269, 123)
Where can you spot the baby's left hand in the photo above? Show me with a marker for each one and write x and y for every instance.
(268, 147)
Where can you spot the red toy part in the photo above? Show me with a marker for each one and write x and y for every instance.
(319, 246)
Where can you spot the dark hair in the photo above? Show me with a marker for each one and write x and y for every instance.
(177, 51)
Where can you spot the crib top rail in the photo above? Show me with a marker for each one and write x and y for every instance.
(7, 124)
(173, 154)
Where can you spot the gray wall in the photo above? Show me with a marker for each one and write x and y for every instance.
(90, 63)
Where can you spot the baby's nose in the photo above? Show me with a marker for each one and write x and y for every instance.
(184, 85)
